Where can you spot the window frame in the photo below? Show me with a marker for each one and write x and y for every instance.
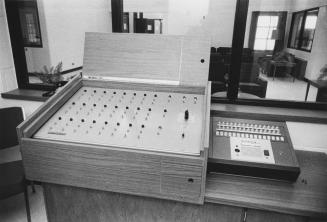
(301, 34)
(32, 8)
(265, 13)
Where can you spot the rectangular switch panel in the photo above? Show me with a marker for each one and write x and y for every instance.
(252, 148)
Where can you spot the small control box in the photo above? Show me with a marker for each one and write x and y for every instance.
(252, 148)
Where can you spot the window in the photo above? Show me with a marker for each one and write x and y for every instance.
(266, 32)
(29, 23)
(303, 29)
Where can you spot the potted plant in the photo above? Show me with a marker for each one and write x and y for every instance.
(50, 75)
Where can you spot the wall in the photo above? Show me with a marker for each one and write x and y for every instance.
(7, 69)
(210, 18)
(63, 25)
(191, 17)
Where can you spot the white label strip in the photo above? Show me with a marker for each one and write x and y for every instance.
(251, 150)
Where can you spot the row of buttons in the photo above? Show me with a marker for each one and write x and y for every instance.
(247, 125)
(249, 135)
(195, 98)
(249, 130)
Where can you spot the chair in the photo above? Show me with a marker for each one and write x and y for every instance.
(219, 69)
(12, 180)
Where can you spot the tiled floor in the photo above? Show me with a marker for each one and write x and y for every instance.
(281, 88)
(285, 89)
(13, 209)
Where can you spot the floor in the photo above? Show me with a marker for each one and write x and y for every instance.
(283, 88)
(13, 209)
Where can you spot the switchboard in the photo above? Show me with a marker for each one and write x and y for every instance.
(147, 120)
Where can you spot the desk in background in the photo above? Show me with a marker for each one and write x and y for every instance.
(322, 89)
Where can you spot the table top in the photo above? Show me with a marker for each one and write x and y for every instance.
(282, 63)
(307, 196)
(317, 82)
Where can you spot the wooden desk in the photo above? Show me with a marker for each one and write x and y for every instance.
(281, 64)
(306, 198)
(320, 84)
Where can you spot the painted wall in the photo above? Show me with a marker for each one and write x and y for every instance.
(191, 17)
(7, 69)
(63, 25)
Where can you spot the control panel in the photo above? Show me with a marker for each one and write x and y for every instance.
(161, 121)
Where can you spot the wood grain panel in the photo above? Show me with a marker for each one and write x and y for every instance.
(195, 61)
(307, 196)
(147, 87)
(146, 56)
(64, 203)
(131, 56)
(268, 216)
(114, 169)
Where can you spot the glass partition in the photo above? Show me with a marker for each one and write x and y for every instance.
(285, 50)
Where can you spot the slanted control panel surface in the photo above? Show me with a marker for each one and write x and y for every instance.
(146, 120)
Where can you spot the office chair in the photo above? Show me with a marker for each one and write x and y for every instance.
(12, 179)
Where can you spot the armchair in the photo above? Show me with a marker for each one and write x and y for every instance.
(219, 69)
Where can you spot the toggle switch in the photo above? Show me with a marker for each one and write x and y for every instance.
(186, 115)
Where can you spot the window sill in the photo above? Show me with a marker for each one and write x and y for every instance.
(25, 94)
